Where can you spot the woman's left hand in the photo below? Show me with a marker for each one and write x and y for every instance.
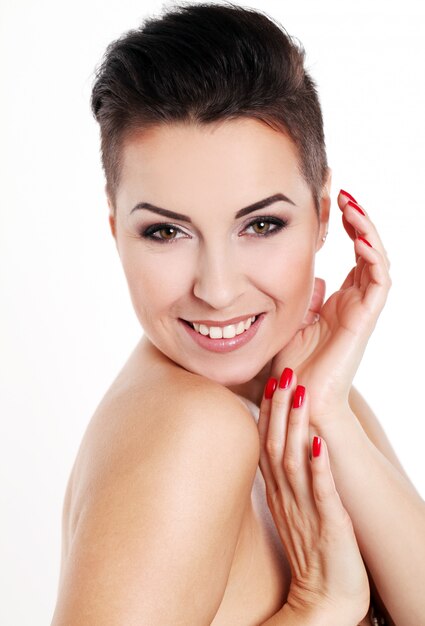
(326, 354)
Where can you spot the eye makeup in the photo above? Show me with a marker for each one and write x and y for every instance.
(151, 232)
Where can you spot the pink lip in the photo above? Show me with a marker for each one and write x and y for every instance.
(224, 345)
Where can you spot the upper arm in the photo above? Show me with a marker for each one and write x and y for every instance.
(155, 545)
(373, 429)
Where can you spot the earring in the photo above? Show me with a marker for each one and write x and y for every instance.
(324, 237)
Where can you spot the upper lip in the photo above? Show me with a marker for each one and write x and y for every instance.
(234, 320)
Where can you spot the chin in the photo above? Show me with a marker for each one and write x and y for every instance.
(230, 377)
(240, 372)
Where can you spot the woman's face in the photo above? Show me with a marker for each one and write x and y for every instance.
(220, 261)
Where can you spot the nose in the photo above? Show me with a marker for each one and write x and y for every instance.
(219, 280)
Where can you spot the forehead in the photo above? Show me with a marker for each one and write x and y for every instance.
(232, 161)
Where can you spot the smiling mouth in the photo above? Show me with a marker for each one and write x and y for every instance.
(223, 332)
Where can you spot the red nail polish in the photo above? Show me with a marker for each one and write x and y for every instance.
(298, 397)
(348, 195)
(317, 443)
(365, 241)
(356, 206)
(270, 388)
(285, 379)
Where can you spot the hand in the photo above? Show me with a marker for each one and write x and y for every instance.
(329, 579)
(326, 353)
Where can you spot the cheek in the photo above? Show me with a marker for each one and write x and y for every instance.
(155, 280)
(286, 274)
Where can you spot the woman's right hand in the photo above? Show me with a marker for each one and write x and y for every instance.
(329, 580)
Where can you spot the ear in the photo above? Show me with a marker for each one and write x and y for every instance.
(111, 213)
(325, 206)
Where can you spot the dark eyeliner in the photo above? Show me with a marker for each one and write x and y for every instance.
(148, 232)
(280, 225)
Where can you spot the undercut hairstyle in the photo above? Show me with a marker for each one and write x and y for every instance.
(203, 64)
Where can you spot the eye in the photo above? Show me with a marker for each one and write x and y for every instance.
(266, 226)
(166, 233)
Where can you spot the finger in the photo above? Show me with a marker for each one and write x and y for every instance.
(361, 265)
(328, 502)
(364, 275)
(277, 426)
(263, 426)
(351, 232)
(280, 406)
(343, 198)
(357, 217)
(378, 281)
(296, 455)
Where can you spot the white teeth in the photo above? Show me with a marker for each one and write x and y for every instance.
(226, 332)
(240, 328)
(229, 331)
(216, 332)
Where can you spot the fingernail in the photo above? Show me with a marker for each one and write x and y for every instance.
(348, 195)
(285, 379)
(365, 241)
(356, 206)
(317, 443)
(298, 397)
(270, 388)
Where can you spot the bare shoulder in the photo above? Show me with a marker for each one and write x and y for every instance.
(374, 429)
(163, 481)
(151, 400)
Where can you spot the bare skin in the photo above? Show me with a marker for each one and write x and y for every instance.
(259, 576)
(210, 264)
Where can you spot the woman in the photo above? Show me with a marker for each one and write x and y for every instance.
(219, 196)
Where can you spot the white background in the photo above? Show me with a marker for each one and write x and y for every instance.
(67, 323)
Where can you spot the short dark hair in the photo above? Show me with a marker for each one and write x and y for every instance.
(205, 63)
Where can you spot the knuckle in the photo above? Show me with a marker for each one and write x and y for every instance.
(295, 418)
(291, 464)
(341, 523)
(280, 401)
(272, 498)
(274, 448)
(323, 493)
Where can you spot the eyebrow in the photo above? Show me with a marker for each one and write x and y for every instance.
(248, 209)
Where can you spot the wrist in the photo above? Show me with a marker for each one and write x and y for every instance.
(340, 423)
(289, 616)
(332, 417)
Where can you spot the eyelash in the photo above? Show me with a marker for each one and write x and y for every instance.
(148, 233)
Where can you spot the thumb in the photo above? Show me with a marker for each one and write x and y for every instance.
(316, 302)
